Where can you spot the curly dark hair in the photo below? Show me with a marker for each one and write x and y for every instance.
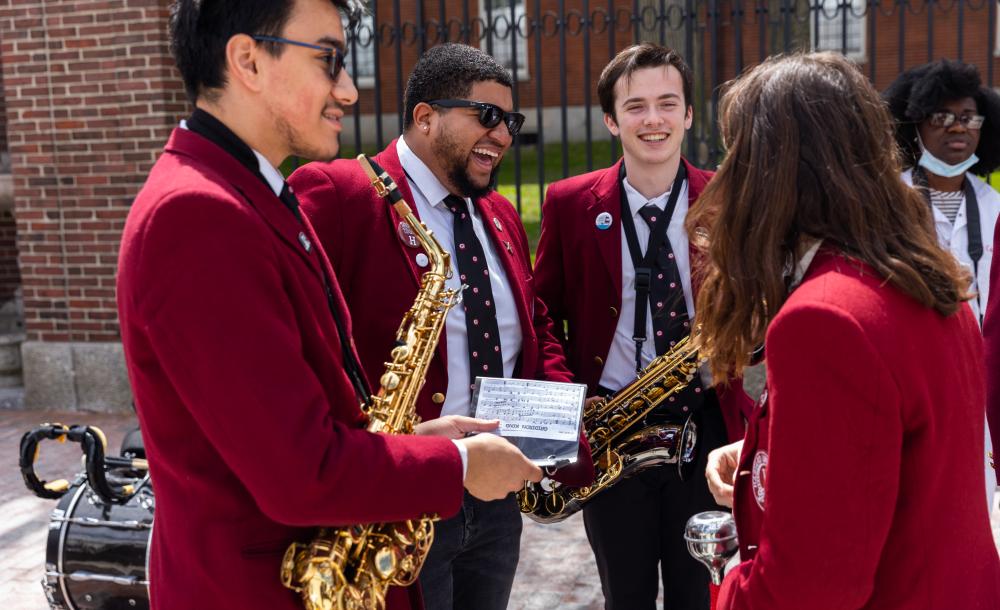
(448, 71)
(919, 91)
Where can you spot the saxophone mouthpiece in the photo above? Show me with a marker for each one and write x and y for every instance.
(380, 179)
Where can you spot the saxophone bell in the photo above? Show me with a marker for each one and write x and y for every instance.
(622, 447)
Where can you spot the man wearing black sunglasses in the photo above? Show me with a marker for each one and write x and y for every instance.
(236, 335)
(458, 123)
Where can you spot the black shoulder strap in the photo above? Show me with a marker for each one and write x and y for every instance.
(975, 230)
(643, 265)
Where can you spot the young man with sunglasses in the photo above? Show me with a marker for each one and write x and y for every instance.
(615, 269)
(236, 335)
(458, 124)
(948, 128)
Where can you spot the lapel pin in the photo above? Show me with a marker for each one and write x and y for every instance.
(305, 241)
(603, 221)
(406, 235)
(422, 260)
(496, 223)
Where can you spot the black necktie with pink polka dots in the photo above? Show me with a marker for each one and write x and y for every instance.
(666, 297)
(670, 316)
(485, 357)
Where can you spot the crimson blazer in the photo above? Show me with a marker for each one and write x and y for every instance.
(578, 274)
(380, 276)
(252, 428)
(991, 338)
(872, 491)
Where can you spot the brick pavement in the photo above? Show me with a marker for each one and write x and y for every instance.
(556, 568)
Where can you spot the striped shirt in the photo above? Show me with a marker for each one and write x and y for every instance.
(947, 202)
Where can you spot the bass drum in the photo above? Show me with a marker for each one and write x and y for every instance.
(97, 554)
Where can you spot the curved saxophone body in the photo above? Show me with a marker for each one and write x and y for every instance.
(621, 450)
(351, 568)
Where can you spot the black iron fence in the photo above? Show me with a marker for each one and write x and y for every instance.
(556, 49)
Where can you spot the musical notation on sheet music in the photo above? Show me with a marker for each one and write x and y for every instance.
(533, 409)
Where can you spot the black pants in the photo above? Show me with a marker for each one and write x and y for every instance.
(472, 562)
(636, 530)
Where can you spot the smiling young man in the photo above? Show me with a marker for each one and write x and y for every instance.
(236, 336)
(592, 259)
(948, 127)
(458, 124)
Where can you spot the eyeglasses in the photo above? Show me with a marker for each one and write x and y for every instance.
(490, 115)
(946, 118)
(334, 57)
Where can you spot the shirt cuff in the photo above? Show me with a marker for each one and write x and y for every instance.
(462, 451)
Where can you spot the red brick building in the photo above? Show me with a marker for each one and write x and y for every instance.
(90, 94)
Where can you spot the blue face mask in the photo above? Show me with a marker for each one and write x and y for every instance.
(940, 168)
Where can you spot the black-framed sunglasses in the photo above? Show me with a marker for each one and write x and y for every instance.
(490, 115)
(334, 57)
(946, 118)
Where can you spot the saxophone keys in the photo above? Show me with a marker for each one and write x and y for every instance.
(390, 380)
(555, 503)
(384, 562)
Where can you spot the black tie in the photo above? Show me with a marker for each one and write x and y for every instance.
(485, 357)
(291, 202)
(670, 315)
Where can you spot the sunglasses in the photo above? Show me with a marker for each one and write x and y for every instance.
(334, 57)
(490, 115)
(947, 119)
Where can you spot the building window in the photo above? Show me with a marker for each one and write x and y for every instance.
(361, 50)
(503, 32)
(836, 22)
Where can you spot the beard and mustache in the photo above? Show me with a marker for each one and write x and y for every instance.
(448, 151)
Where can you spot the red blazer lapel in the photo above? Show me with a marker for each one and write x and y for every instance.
(508, 252)
(389, 160)
(254, 191)
(697, 180)
(607, 200)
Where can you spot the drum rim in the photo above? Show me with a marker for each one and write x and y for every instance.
(61, 548)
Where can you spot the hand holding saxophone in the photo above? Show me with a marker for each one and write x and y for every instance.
(721, 472)
(496, 467)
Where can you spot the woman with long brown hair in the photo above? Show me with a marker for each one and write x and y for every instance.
(852, 486)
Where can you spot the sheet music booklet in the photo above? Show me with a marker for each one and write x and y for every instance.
(542, 418)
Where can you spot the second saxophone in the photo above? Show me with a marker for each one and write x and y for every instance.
(621, 448)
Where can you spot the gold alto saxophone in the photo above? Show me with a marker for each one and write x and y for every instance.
(619, 450)
(351, 568)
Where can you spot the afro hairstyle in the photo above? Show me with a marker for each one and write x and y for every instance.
(920, 91)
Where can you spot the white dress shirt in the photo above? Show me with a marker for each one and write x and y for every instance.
(428, 195)
(619, 366)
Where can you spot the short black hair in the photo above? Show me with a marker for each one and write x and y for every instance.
(448, 71)
(200, 30)
(635, 58)
(919, 91)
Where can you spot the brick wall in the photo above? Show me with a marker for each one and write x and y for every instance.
(91, 96)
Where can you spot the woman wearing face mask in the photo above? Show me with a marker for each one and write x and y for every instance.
(948, 127)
